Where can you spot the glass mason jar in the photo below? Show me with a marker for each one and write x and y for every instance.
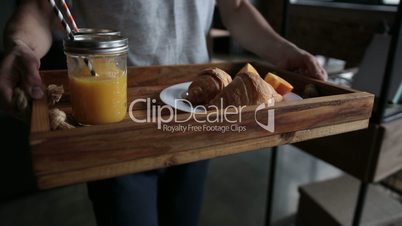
(98, 96)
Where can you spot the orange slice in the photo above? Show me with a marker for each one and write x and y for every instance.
(248, 68)
(280, 85)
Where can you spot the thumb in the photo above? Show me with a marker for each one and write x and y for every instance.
(30, 78)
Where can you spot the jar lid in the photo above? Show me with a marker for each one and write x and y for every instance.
(96, 31)
(96, 44)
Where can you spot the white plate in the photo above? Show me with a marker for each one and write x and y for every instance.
(175, 97)
(291, 97)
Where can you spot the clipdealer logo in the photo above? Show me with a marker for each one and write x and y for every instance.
(204, 116)
(270, 126)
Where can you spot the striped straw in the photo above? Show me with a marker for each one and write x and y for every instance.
(70, 17)
(90, 67)
(70, 33)
(63, 21)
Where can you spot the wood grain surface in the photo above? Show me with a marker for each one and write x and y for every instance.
(39, 121)
(104, 151)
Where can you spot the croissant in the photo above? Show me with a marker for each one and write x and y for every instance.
(246, 89)
(209, 83)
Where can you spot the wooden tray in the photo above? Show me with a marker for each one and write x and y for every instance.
(83, 154)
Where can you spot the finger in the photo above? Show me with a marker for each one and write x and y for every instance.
(321, 74)
(315, 70)
(29, 71)
(324, 74)
(8, 80)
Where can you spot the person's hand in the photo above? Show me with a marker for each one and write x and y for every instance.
(19, 68)
(297, 60)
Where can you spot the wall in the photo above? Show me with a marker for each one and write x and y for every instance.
(6, 8)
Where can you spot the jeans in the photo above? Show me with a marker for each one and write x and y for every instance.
(166, 197)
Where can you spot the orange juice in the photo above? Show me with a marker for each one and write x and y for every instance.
(99, 99)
